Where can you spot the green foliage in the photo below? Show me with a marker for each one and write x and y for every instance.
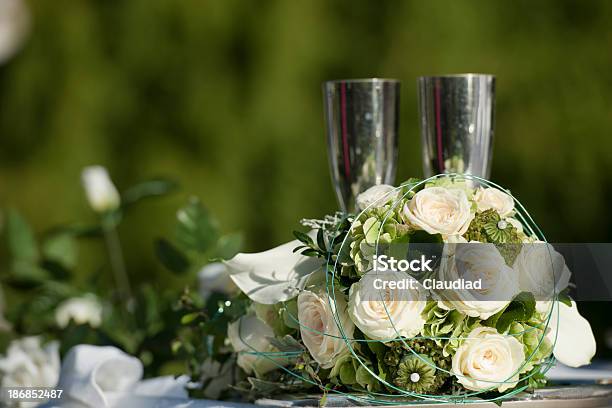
(196, 230)
(43, 272)
(21, 241)
(564, 297)
(171, 257)
(61, 248)
(374, 232)
(147, 189)
(520, 309)
(447, 328)
(198, 240)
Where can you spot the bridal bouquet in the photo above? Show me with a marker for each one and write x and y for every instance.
(440, 290)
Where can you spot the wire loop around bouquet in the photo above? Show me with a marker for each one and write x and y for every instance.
(397, 395)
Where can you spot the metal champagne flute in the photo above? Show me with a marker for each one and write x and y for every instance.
(457, 123)
(362, 124)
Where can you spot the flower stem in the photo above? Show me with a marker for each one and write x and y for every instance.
(118, 264)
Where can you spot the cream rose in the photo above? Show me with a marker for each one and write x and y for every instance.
(317, 314)
(475, 262)
(384, 313)
(541, 271)
(487, 359)
(377, 196)
(487, 198)
(439, 210)
(249, 337)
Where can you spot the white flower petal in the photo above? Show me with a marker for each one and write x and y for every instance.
(215, 278)
(575, 343)
(274, 275)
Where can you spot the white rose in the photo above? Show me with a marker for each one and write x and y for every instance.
(472, 262)
(82, 310)
(572, 336)
(385, 313)
(99, 189)
(439, 210)
(541, 271)
(28, 363)
(319, 330)
(215, 278)
(377, 196)
(487, 198)
(487, 359)
(249, 337)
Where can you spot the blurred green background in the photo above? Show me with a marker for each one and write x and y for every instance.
(225, 97)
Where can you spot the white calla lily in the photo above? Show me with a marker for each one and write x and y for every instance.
(272, 276)
(575, 343)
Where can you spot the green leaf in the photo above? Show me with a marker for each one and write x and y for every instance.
(190, 317)
(229, 245)
(196, 229)
(423, 237)
(347, 373)
(564, 297)
(26, 272)
(290, 314)
(146, 189)
(377, 348)
(171, 257)
(520, 309)
(299, 248)
(321, 240)
(58, 271)
(310, 252)
(21, 241)
(364, 378)
(62, 249)
(303, 238)
(79, 231)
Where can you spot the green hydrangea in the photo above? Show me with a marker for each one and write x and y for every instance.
(537, 346)
(452, 183)
(378, 226)
(447, 327)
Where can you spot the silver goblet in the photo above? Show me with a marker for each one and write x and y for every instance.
(362, 123)
(457, 123)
